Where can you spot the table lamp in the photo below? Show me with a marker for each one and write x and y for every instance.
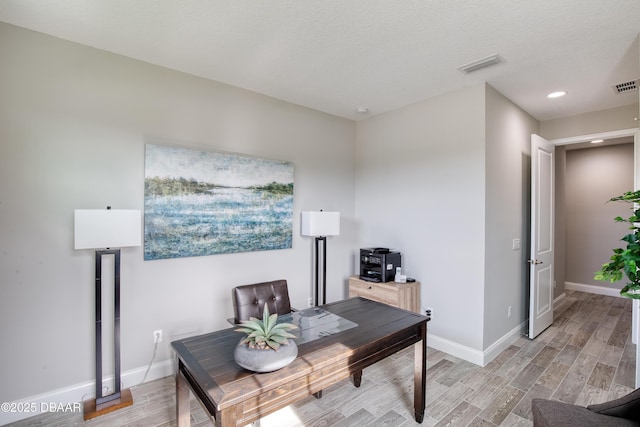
(320, 224)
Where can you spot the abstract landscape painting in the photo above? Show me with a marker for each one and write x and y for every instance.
(205, 203)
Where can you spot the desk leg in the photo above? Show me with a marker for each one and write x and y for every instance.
(183, 395)
(357, 378)
(420, 375)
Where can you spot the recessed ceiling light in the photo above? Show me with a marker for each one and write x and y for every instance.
(597, 141)
(557, 94)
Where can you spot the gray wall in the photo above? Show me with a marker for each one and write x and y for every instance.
(593, 176)
(613, 119)
(560, 223)
(594, 122)
(73, 124)
(508, 160)
(420, 189)
(451, 195)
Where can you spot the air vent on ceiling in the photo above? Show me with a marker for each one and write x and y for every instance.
(626, 86)
(480, 64)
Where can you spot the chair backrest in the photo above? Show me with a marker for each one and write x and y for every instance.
(249, 300)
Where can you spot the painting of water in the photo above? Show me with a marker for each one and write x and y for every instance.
(205, 203)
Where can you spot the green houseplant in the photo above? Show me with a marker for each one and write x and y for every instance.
(625, 261)
(267, 345)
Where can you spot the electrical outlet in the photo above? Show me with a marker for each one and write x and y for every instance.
(157, 336)
(509, 311)
(429, 312)
(310, 302)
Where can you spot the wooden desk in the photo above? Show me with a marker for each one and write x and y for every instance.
(235, 397)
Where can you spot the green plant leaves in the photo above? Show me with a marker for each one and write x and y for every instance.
(631, 291)
(266, 333)
(625, 261)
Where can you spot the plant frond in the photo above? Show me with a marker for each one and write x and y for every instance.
(274, 345)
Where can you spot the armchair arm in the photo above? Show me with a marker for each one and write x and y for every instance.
(627, 407)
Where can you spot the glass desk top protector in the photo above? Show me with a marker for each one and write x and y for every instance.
(314, 323)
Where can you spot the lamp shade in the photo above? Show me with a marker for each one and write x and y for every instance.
(107, 228)
(320, 223)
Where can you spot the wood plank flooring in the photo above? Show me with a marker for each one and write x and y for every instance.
(585, 357)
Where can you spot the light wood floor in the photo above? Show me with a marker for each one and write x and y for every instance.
(585, 357)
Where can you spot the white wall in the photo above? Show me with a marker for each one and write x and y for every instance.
(73, 124)
(420, 189)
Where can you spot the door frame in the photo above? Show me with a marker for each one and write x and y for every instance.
(635, 132)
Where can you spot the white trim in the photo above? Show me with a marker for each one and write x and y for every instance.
(473, 355)
(635, 313)
(635, 338)
(559, 301)
(453, 348)
(592, 289)
(503, 343)
(482, 358)
(82, 391)
(604, 135)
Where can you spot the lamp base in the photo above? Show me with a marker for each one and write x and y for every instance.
(91, 410)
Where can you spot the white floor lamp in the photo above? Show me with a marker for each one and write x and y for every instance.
(97, 229)
(320, 224)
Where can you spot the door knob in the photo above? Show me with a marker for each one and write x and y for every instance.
(534, 262)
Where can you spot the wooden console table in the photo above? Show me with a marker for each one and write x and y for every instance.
(233, 396)
(402, 295)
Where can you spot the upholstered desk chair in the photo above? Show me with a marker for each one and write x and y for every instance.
(249, 300)
(620, 412)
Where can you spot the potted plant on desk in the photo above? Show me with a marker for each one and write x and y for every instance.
(268, 345)
(626, 261)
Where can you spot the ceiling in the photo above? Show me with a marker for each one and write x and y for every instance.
(338, 55)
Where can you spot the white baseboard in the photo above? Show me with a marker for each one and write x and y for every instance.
(592, 289)
(503, 343)
(471, 354)
(559, 301)
(482, 358)
(76, 393)
(455, 349)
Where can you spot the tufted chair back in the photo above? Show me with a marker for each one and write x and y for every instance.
(248, 300)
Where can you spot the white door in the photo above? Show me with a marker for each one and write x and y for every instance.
(542, 232)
